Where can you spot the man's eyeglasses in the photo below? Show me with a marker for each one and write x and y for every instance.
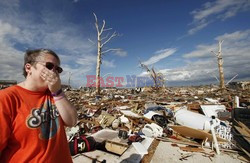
(50, 66)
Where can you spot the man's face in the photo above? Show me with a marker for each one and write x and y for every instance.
(43, 63)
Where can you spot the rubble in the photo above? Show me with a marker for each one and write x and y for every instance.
(7, 83)
(195, 122)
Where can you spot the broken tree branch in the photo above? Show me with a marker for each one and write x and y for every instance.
(106, 51)
(107, 29)
(103, 25)
(113, 35)
(91, 41)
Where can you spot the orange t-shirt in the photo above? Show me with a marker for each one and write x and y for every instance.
(31, 129)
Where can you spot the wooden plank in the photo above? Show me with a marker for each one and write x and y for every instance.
(192, 149)
(179, 141)
(242, 125)
(244, 133)
(116, 147)
(245, 151)
(194, 144)
(147, 158)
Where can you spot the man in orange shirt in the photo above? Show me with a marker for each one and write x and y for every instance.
(34, 112)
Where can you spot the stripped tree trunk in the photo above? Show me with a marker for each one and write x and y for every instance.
(100, 45)
(99, 53)
(220, 65)
(98, 65)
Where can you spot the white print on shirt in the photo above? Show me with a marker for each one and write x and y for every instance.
(45, 118)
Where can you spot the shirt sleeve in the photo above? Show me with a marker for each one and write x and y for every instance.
(5, 120)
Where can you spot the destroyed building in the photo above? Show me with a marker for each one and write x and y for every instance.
(244, 85)
(175, 124)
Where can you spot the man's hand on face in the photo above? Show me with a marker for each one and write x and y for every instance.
(52, 78)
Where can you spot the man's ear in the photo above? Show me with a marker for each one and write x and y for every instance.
(28, 68)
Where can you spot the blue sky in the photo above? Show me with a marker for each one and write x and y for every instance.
(174, 37)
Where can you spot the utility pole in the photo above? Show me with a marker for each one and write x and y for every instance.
(70, 74)
(220, 65)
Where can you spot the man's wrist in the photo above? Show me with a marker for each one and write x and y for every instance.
(59, 97)
(57, 93)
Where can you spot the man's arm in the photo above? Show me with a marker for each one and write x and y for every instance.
(66, 110)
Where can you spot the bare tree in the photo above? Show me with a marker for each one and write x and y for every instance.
(101, 42)
(220, 65)
(157, 77)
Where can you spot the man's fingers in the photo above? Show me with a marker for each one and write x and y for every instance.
(48, 76)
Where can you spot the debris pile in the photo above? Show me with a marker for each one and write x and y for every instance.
(127, 122)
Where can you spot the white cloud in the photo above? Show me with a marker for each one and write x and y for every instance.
(109, 64)
(201, 51)
(85, 60)
(233, 44)
(6, 29)
(144, 74)
(120, 53)
(10, 65)
(198, 27)
(219, 9)
(201, 64)
(159, 55)
(64, 40)
(45, 28)
(235, 36)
